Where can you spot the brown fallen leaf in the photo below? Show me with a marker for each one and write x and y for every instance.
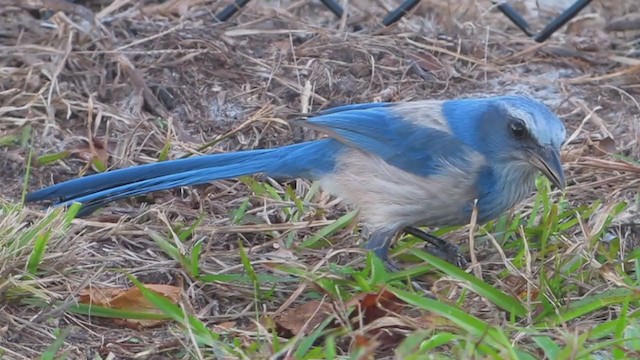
(98, 156)
(131, 300)
(99, 296)
(588, 147)
(366, 345)
(304, 318)
(606, 146)
(376, 305)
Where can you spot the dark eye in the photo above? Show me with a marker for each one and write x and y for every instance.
(518, 130)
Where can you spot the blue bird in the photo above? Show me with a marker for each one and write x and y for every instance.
(420, 163)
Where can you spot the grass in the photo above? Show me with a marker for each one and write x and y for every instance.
(257, 269)
(562, 283)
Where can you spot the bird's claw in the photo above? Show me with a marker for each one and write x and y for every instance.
(449, 253)
(441, 248)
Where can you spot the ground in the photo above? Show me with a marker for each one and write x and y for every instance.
(122, 83)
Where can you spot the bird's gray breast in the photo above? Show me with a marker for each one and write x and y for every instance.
(391, 197)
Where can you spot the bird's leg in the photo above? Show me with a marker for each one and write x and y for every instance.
(441, 247)
(379, 242)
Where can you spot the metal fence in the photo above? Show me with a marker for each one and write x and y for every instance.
(407, 5)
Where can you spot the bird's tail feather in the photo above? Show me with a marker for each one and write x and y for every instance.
(308, 159)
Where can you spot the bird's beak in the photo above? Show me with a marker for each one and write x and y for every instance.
(548, 162)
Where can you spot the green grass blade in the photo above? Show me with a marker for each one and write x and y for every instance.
(308, 341)
(549, 347)
(31, 235)
(101, 311)
(195, 260)
(246, 264)
(52, 350)
(51, 158)
(161, 302)
(329, 230)
(38, 251)
(469, 323)
(588, 305)
(437, 340)
(497, 297)
(166, 246)
(200, 331)
(245, 279)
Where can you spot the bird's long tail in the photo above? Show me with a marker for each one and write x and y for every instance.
(309, 159)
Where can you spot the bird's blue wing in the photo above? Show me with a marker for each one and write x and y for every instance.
(379, 129)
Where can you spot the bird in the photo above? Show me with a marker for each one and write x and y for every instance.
(404, 165)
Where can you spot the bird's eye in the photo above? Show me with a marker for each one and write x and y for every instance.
(518, 129)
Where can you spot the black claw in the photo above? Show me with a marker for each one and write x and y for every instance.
(451, 255)
(440, 247)
(391, 266)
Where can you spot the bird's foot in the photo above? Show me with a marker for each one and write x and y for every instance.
(449, 254)
(441, 248)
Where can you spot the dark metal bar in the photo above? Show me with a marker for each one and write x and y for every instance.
(398, 13)
(562, 19)
(515, 18)
(334, 7)
(231, 10)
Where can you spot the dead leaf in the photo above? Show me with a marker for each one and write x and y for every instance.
(99, 296)
(389, 331)
(591, 146)
(304, 318)
(97, 157)
(606, 146)
(376, 305)
(366, 345)
(131, 300)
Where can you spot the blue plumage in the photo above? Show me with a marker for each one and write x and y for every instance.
(309, 160)
(382, 131)
(403, 164)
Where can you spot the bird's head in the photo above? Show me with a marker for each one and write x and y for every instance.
(514, 132)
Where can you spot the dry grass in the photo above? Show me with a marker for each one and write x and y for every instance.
(133, 79)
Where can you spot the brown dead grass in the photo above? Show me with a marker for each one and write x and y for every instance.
(140, 76)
